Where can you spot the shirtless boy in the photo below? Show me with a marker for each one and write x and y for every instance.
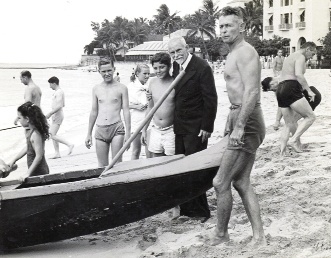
(32, 91)
(245, 127)
(108, 98)
(162, 137)
(57, 117)
(291, 99)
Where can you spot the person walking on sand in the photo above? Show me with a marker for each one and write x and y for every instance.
(245, 127)
(30, 116)
(291, 99)
(138, 104)
(32, 91)
(108, 99)
(117, 77)
(162, 137)
(195, 112)
(57, 117)
(278, 63)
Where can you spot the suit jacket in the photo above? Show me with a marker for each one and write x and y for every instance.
(195, 98)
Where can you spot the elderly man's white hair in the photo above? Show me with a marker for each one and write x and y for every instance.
(180, 39)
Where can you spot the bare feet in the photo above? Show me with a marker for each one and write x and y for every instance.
(57, 156)
(260, 242)
(70, 149)
(295, 146)
(216, 239)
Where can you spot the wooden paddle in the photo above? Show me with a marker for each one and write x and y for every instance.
(144, 122)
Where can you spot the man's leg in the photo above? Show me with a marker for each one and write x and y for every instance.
(302, 107)
(290, 127)
(276, 125)
(60, 139)
(102, 150)
(242, 184)
(116, 145)
(53, 131)
(136, 147)
(197, 207)
(231, 164)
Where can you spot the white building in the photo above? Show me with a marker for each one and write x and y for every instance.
(298, 20)
(238, 3)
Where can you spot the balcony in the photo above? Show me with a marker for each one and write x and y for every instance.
(285, 26)
(300, 25)
(269, 28)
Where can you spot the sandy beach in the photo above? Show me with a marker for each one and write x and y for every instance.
(293, 192)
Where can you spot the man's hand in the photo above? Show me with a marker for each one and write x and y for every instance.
(311, 96)
(204, 135)
(235, 137)
(88, 142)
(148, 95)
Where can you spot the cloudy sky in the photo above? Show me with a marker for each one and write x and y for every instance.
(56, 31)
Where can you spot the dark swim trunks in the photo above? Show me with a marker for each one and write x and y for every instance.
(254, 130)
(288, 92)
(106, 133)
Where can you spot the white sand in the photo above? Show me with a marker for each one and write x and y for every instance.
(293, 194)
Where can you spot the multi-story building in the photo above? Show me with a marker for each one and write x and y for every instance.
(298, 20)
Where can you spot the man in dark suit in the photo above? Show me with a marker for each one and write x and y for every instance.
(195, 112)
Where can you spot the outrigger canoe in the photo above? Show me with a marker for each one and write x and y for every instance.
(65, 205)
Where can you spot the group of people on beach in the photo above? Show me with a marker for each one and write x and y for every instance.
(185, 120)
(37, 130)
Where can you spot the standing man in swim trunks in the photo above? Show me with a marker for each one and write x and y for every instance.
(162, 137)
(32, 91)
(278, 63)
(57, 117)
(291, 99)
(245, 127)
(108, 98)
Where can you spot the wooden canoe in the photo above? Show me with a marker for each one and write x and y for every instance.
(61, 206)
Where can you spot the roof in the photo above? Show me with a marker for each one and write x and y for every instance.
(148, 48)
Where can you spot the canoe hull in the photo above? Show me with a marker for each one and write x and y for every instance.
(61, 216)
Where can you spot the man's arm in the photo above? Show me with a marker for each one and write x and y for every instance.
(92, 119)
(59, 103)
(274, 66)
(149, 107)
(299, 70)
(249, 69)
(126, 113)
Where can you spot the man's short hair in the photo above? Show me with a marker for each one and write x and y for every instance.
(309, 44)
(228, 10)
(105, 61)
(266, 83)
(54, 80)
(26, 73)
(162, 58)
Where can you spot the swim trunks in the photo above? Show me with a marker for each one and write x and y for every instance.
(57, 118)
(162, 140)
(288, 92)
(106, 133)
(254, 130)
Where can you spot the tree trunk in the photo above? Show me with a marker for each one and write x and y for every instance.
(204, 45)
(123, 46)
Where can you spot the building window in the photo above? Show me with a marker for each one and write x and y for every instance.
(271, 20)
(271, 3)
(302, 0)
(281, 2)
(290, 17)
(287, 2)
(286, 18)
(302, 16)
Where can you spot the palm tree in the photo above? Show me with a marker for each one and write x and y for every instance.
(120, 31)
(211, 10)
(253, 17)
(138, 30)
(200, 24)
(165, 20)
(106, 38)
